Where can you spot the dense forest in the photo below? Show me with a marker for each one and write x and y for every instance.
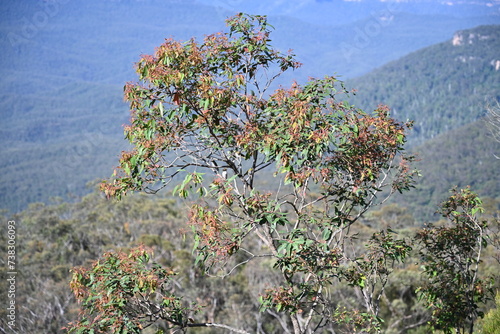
(441, 87)
(61, 91)
(445, 89)
(410, 278)
(54, 238)
(465, 156)
(284, 222)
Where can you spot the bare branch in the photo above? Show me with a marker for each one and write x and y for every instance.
(208, 324)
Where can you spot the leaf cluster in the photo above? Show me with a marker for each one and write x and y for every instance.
(124, 293)
(451, 256)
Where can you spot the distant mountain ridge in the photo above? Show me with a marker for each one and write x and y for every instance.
(441, 87)
(61, 89)
(338, 12)
(445, 89)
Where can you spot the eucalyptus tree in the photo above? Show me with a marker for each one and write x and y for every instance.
(207, 119)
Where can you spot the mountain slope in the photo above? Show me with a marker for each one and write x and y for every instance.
(64, 64)
(440, 87)
(461, 157)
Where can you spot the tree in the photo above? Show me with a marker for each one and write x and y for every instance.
(451, 256)
(491, 321)
(204, 118)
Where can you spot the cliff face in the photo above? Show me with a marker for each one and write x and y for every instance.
(468, 37)
(473, 38)
(495, 64)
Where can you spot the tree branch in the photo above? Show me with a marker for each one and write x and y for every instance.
(210, 324)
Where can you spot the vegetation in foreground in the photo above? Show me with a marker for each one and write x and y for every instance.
(304, 256)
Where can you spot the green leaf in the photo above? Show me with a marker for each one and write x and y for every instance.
(327, 234)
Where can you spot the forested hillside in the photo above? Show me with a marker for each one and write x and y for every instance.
(311, 251)
(445, 89)
(462, 157)
(61, 235)
(440, 87)
(62, 77)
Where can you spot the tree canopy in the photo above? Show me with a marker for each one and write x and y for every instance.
(208, 118)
